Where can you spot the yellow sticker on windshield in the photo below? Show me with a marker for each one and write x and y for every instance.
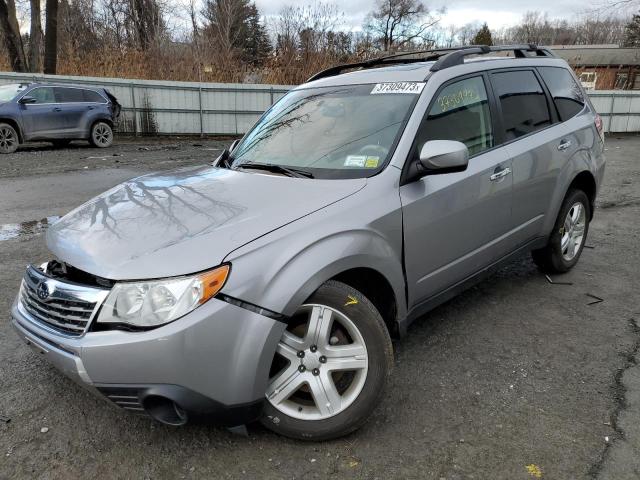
(372, 162)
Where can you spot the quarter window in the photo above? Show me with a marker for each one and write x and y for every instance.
(523, 102)
(42, 95)
(566, 93)
(460, 112)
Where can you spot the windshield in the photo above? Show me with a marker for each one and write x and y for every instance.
(8, 92)
(331, 132)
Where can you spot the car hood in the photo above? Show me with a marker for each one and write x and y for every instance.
(169, 224)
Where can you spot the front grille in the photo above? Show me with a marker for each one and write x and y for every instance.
(60, 306)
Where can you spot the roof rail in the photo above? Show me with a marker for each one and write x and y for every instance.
(520, 51)
(397, 58)
(446, 57)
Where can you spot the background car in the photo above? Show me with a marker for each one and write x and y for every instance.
(56, 113)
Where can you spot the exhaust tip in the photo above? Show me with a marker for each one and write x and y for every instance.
(165, 411)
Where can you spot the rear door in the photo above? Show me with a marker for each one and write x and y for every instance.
(74, 108)
(455, 223)
(536, 144)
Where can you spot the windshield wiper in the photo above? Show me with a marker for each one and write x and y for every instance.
(272, 167)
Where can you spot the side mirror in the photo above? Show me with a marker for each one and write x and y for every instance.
(234, 144)
(27, 99)
(444, 156)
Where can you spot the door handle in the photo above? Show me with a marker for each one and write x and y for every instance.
(564, 144)
(91, 107)
(501, 174)
(57, 109)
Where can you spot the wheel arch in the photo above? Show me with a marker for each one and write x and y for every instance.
(361, 259)
(586, 182)
(106, 120)
(15, 125)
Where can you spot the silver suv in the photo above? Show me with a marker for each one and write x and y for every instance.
(269, 285)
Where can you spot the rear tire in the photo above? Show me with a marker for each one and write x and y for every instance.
(331, 391)
(9, 139)
(101, 135)
(568, 236)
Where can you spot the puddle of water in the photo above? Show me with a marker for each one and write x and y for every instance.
(24, 229)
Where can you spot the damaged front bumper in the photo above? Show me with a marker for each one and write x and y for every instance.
(212, 363)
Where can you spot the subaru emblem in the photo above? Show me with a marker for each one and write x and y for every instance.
(43, 291)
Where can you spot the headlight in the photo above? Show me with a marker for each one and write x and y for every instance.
(156, 302)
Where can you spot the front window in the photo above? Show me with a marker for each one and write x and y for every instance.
(459, 112)
(9, 92)
(43, 95)
(345, 131)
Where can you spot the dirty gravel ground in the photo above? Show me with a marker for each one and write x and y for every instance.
(516, 378)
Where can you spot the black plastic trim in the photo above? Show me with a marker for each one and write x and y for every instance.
(198, 407)
(253, 308)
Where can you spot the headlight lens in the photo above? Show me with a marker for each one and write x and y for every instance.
(154, 303)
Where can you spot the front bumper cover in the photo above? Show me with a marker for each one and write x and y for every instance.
(215, 361)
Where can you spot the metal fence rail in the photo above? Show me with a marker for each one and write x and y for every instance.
(163, 107)
(619, 109)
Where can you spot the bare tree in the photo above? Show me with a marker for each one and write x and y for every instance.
(51, 38)
(35, 37)
(401, 23)
(146, 18)
(11, 32)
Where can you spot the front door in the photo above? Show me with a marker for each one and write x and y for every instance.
(42, 119)
(456, 223)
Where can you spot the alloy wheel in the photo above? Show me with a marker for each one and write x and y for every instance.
(102, 134)
(8, 139)
(573, 231)
(320, 367)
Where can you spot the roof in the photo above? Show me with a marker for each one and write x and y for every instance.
(607, 56)
(420, 71)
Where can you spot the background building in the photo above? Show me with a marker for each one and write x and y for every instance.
(603, 67)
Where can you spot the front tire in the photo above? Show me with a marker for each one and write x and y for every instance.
(331, 366)
(101, 135)
(9, 139)
(568, 236)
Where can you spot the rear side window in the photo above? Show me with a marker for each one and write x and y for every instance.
(523, 102)
(94, 97)
(42, 95)
(566, 93)
(69, 95)
(460, 112)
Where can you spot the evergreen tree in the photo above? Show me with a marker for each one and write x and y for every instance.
(483, 37)
(632, 32)
(234, 27)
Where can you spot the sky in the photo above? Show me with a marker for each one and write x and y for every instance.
(497, 13)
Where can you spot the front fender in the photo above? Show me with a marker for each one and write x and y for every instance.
(281, 270)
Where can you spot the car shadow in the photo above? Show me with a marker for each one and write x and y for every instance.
(46, 147)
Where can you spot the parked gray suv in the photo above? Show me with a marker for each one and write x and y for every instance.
(55, 113)
(269, 285)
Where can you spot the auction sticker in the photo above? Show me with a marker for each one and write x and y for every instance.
(398, 87)
(355, 161)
